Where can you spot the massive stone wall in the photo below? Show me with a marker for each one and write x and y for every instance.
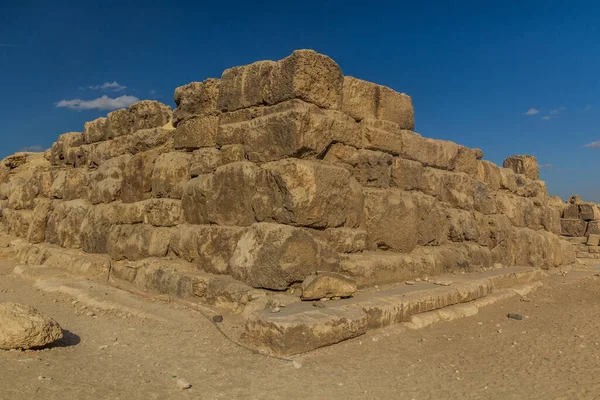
(269, 174)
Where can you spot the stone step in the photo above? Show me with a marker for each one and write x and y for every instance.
(306, 326)
(576, 239)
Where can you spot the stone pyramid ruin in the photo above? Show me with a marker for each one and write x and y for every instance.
(278, 184)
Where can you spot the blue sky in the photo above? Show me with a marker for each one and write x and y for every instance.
(474, 69)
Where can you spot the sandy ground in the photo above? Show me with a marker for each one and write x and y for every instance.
(553, 353)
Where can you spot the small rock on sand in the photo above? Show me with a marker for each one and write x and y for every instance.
(24, 327)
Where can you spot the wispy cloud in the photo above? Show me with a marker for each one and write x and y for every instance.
(593, 145)
(101, 103)
(35, 148)
(546, 165)
(558, 110)
(546, 118)
(587, 108)
(532, 111)
(152, 92)
(113, 86)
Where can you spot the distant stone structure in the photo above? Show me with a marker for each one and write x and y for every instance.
(580, 223)
(263, 178)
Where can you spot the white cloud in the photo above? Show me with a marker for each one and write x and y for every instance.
(558, 110)
(101, 103)
(532, 111)
(546, 118)
(546, 165)
(114, 86)
(587, 108)
(593, 145)
(35, 148)
(152, 92)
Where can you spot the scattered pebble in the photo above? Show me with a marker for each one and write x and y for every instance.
(515, 316)
(183, 384)
(325, 299)
(275, 310)
(410, 282)
(442, 283)
(297, 364)
(218, 318)
(318, 304)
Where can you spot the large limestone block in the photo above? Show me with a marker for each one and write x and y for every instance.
(24, 327)
(95, 131)
(119, 123)
(345, 240)
(210, 247)
(273, 256)
(362, 99)
(76, 184)
(196, 99)
(309, 76)
(16, 222)
(148, 114)
(65, 142)
(233, 153)
(64, 224)
(523, 164)
(391, 220)
(489, 173)
(196, 133)
(575, 227)
(166, 276)
(80, 156)
(462, 226)
(44, 179)
(39, 221)
(540, 249)
(291, 129)
(314, 194)
(22, 194)
(430, 152)
(571, 211)
(97, 223)
(466, 161)
(482, 198)
(205, 161)
(383, 136)
(171, 173)
(159, 139)
(245, 86)
(326, 285)
(135, 242)
(593, 228)
(369, 168)
(137, 177)
(589, 211)
(107, 180)
(235, 194)
(432, 225)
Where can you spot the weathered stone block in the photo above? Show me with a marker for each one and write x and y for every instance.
(39, 220)
(391, 219)
(148, 114)
(233, 153)
(309, 76)
(462, 226)
(369, 168)
(16, 222)
(291, 129)
(245, 86)
(466, 161)
(95, 131)
(430, 152)
(273, 256)
(137, 177)
(205, 161)
(210, 247)
(76, 184)
(325, 285)
(135, 242)
(64, 224)
(196, 99)
(314, 194)
(593, 228)
(22, 194)
(196, 133)
(523, 164)
(236, 194)
(65, 142)
(171, 173)
(589, 211)
(383, 136)
(593, 240)
(490, 174)
(107, 180)
(362, 99)
(345, 240)
(119, 123)
(571, 211)
(575, 227)
(432, 225)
